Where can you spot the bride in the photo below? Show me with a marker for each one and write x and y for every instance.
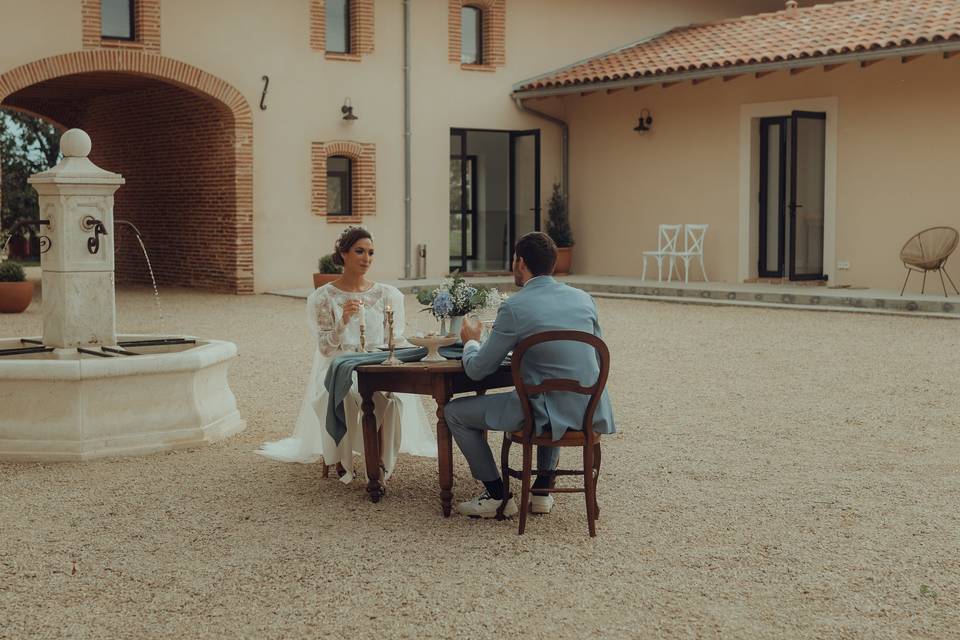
(334, 314)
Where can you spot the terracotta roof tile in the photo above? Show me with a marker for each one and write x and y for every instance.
(818, 31)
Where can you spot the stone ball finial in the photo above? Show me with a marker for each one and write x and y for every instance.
(75, 143)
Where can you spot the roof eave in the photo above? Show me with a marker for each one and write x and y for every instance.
(700, 74)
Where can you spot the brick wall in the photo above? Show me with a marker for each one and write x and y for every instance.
(364, 196)
(174, 150)
(494, 33)
(361, 29)
(187, 156)
(146, 27)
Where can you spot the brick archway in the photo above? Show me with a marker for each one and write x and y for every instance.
(146, 108)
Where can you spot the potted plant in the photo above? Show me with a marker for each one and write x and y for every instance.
(558, 228)
(329, 271)
(16, 292)
(453, 299)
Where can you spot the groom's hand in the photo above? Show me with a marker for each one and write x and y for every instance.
(470, 329)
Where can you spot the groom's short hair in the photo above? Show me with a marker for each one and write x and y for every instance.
(538, 251)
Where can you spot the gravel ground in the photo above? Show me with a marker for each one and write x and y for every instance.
(778, 474)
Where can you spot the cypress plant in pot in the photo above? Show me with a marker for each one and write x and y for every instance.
(16, 292)
(558, 228)
(329, 271)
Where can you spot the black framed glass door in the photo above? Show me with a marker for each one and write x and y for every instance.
(807, 182)
(791, 198)
(494, 196)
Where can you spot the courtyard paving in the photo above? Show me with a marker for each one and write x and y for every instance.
(778, 473)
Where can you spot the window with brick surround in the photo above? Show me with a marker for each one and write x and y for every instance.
(121, 24)
(342, 29)
(344, 180)
(477, 33)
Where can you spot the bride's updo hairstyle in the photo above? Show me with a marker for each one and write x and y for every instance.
(349, 237)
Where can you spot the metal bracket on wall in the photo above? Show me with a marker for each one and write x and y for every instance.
(263, 96)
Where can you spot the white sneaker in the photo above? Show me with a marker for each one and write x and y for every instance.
(541, 504)
(483, 506)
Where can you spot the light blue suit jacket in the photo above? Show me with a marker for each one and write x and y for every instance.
(543, 304)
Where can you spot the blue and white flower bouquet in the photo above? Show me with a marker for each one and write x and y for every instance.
(453, 298)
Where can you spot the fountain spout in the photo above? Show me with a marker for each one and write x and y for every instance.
(16, 227)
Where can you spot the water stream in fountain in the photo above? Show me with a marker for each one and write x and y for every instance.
(153, 279)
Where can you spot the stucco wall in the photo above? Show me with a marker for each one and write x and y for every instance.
(896, 131)
(239, 41)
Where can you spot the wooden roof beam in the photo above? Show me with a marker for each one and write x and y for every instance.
(830, 67)
(733, 77)
(950, 54)
(761, 74)
(906, 59)
(866, 63)
(799, 70)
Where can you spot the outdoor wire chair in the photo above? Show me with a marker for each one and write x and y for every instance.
(928, 251)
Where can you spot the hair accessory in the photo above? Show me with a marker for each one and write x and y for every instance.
(345, 232)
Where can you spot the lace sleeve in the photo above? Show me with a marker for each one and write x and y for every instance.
(323, 323)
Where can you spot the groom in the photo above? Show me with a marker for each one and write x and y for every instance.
(542, 304)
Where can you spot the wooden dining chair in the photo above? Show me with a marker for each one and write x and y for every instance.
(585, 438)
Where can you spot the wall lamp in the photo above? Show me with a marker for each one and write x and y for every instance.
(645, 123)
(347, 111)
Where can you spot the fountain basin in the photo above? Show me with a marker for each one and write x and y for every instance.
(67, 406)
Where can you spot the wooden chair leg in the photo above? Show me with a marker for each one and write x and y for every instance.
(525, 485)
(326, 470)
(596, 478)
(505, 473)
(589, 489)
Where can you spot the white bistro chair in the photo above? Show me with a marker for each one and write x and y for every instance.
(666, 248)
(692, 248)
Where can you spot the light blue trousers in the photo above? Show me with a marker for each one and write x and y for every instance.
(466, 418)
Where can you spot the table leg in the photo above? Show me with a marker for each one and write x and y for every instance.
(444, 447)
(371, 445)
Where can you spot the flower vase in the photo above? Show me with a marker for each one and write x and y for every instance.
(455, 323)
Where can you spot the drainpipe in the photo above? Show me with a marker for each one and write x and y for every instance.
(564, 145)
(406, 142)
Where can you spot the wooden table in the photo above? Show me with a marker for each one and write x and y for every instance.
(438, 379)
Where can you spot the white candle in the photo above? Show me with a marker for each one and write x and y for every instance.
(363, 320)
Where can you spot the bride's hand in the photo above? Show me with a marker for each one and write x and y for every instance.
(350, 309)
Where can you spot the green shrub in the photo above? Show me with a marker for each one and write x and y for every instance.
(327, 265)
(558, 222)
(12, 272)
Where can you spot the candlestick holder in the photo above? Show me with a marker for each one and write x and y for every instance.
(392, 359)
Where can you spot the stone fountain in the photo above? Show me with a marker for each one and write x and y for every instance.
(82, 391)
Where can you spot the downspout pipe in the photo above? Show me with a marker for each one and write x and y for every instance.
(564, 144)
(407, 162)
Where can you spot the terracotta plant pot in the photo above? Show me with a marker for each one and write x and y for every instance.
(564, 255)
(15, 297)
(320, 279)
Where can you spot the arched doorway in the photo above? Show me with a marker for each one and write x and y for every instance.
(182, 138)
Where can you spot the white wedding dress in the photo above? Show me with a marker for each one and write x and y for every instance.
(400, 416)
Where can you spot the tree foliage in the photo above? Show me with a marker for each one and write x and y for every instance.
(28, 145)
(558, 220)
